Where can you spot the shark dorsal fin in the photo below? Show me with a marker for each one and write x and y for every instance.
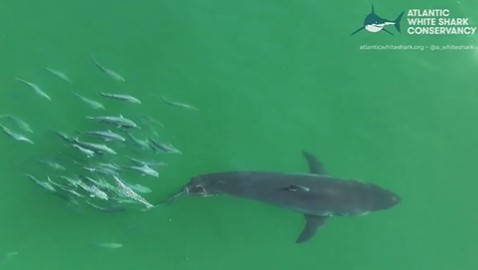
(312, 223)
(315, 166)
(373, 9)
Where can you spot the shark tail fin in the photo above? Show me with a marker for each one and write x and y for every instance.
(397, 21)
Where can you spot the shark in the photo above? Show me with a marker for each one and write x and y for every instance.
(374, 23)
(316, 195)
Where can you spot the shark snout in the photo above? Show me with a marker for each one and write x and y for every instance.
(395, 199)
(392, 200)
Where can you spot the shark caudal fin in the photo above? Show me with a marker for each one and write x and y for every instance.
(397, 21)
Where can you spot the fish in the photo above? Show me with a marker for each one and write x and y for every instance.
(101, 170)
(139, 188)
(163, 147)
(65, 188)
(95, 147)
(143, 144)
(374, 23)
(18, 121)
(92, 103)
(122, 97)
(107, 71)
(107, 209)
(94, 191)
(8, 256)
(144, 170)
(150, 124)
(35, 88)
(178, 104)
(107, 135)
(15, 136)
(89, 153)
(59, 75)
(65, 137)
(118, 121)
(316, 195)
(44, 184)
(102, 185)
(110, 245)
(130, 193)
(110, 166)
(72, 182)
(148, 119)
(148, 163)
(53, 164)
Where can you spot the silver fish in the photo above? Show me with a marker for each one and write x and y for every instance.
(150, 124)
(101, 170)
(105, 135)
(93, 104)
(107, 71)
(110, 166)
(139, 188)
(122, 97)
(109, 245)
(118, 121)
(149, 120)
(109, 209)
(94, 191)
(105, 184)
(129, 193)
(14, 135)
(65, 188)
(53, 164)
(18, 121)
(164, 147)
(89, 153)
(144, 170)
(8, 256)
(97, 148)
(141, 143)
(67, 138)
(178, 104)
(124, 200)
(72, 182)
(35, 88)
(148, 163)
(59, 74)
(44, 184)
(102, 184)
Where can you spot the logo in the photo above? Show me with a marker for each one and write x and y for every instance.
(438, 22)
(374, 23)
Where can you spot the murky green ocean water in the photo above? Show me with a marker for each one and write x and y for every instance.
(270, 78)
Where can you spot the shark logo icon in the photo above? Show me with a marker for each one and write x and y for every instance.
(373, 23)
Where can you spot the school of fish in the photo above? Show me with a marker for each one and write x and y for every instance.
(105, 167)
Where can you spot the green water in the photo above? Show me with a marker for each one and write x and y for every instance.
(270, 78)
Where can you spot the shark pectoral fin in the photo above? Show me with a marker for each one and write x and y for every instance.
(358, 30)
(387, 31)
(315, 166)
(312, 223)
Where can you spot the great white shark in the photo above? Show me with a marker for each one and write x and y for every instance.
(316, 195)
(374, 23)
